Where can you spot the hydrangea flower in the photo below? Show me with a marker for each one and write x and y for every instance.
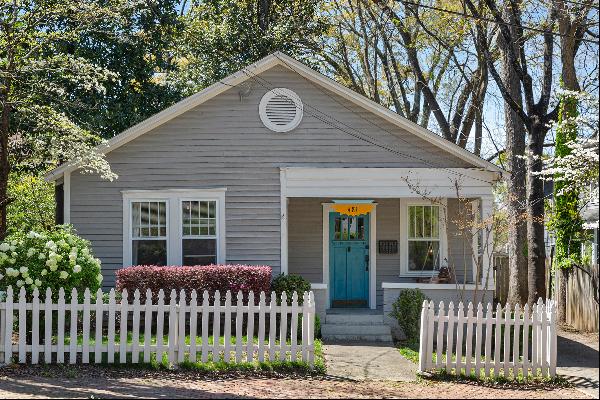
(77, 268)
(4, 247)
(64, 274)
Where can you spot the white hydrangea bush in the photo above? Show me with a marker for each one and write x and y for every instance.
(49, 260)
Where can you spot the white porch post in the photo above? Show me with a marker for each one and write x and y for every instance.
(284, 222)
(487, 209)
(67, 198)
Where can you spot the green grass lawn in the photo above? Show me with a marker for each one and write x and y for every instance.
(214, 363)
(410, 351)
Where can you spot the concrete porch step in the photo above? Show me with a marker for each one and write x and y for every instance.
(358, 338)
(356, 326)
(338, 329)
(354, 319)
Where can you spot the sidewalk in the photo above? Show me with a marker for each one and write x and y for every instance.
(578, 360)
(372, 361)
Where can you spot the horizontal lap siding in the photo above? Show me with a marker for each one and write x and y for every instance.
(222, 143)
(388, 228)
(460, 254)
(305, 238)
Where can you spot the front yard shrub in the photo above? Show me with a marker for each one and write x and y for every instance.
(407, 311)
(52, 259)
(290, 284)
(200, 278)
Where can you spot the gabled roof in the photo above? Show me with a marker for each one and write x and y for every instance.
(258, 67)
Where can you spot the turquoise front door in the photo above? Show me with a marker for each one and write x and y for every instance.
(349, 260)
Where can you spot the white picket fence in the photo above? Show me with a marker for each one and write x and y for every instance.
(517, 340)
(68, 330)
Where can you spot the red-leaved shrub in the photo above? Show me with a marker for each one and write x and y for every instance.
(200, 278)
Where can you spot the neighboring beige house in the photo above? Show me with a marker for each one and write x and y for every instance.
(279, 165)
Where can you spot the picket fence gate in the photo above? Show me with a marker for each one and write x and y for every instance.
(172, 319)
(517, 340)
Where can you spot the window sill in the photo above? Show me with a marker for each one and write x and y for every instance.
(429, 286)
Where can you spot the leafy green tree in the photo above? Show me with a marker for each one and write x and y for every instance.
(41, 85)
(566, 222)
(32, 205)
(136, 46)
(221, 36)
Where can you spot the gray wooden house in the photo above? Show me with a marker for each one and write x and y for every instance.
(279, 165)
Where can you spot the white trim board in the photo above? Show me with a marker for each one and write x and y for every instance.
(428, 286)
(173, 198)
(385, 182)
(260, 66)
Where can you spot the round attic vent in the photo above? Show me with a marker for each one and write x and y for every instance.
(280, 110)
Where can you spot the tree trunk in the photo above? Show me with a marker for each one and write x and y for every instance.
(515, 150)
(4, 164)
(536, 247)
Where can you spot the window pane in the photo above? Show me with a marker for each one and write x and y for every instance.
(338, 227)
(427, 221)
(435, 225)
(200, 222)
(149, 219)
(411, 221)
(199, 251)
(185, 211)
(361, 228)
(352, 226)
(418, 222)
(203, 209)
(149, 252)
(344, 234)
(145, 210)
(423, 255)
(423, 222)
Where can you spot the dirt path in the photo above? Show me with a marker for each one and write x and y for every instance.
(54, 382)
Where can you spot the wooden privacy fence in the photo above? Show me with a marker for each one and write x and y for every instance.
(521, 341)
(119, 331)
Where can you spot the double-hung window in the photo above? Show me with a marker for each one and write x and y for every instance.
(199, 232)
(174, 227)
(149, 232)
(423, 238)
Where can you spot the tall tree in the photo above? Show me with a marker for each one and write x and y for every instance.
(573, 22)
(535, 115)
(37, 82)
(222, 35)
(455, 119)
(137, 47)
(515, 152)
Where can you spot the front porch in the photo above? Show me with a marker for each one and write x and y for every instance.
(402, 242)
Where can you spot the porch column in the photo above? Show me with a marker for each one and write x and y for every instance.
(283, 254)
(487, 246)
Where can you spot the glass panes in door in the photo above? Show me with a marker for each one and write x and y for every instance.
(349, 227)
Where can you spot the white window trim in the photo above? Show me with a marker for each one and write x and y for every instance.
(403, 250)
(173, 198)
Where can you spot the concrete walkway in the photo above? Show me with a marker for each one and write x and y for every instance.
(577, 360)
(372, 361)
